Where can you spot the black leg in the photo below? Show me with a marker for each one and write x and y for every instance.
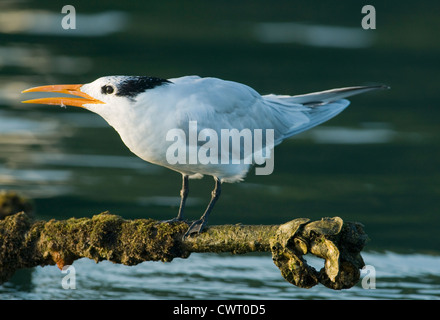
(198, 225)
(183, 195)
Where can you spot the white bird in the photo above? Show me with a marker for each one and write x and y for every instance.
(150, 113)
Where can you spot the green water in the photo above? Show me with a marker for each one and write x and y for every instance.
(376, 163)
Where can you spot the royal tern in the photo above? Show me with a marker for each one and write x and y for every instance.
(145, 110)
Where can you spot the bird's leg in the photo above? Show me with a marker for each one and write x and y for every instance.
(198, 225)
(183, 195)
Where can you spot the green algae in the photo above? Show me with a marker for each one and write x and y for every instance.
(25, 243)
(12, 202)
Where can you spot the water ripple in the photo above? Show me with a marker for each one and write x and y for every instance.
(211, 276)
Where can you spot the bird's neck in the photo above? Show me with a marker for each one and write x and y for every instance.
(140, 133)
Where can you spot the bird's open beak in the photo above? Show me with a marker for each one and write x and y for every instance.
(73, 89)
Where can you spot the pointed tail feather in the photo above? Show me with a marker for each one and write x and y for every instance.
(302, 112)
(322, 97)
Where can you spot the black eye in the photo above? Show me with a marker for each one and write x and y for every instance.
(107, 90)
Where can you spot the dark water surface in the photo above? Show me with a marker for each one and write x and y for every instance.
(376, 163)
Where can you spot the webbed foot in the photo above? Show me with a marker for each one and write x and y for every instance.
(195, 228)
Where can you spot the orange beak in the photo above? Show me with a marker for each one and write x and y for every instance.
(73, 89)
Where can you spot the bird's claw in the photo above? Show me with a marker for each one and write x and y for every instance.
(172, 220)
(195, 228)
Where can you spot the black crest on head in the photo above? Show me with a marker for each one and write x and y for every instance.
(132, 86)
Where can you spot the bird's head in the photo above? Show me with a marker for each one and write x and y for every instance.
(100, 94)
